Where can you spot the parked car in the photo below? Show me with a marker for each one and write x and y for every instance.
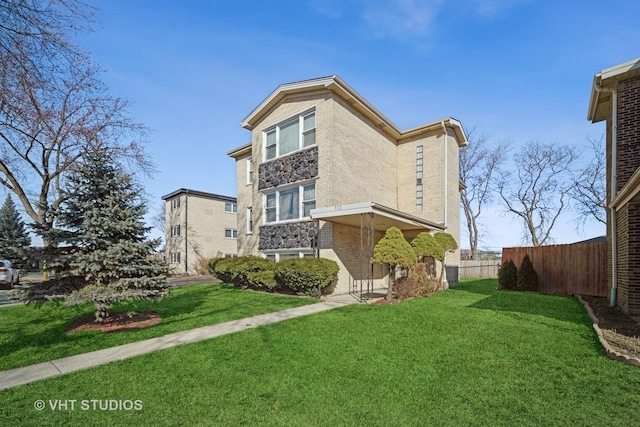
(8, 274)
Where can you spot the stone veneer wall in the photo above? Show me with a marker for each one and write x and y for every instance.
(288, 236)
(284, 170)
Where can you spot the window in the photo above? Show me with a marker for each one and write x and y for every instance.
(175, 230)
(231, 233)
(175, 257)
(291, 135)
(230, 255)
(231, 207)
(283, 255)
(249, 220)
(249, 171)
(290, 204)
(175, 203)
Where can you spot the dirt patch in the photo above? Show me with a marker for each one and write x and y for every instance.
(621, 332)
(116, 322)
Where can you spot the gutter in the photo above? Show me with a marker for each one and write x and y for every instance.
(445, 284)
(614, 177)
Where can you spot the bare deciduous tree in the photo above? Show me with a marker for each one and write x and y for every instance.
(589, 191)
(479, 165)
(53, 107)
(538, 190)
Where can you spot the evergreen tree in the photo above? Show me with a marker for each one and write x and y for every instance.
(14, 238)
(449, 244)
(101, 251)
(393, 249)
(428, 250)
(527, 276)
(508, 275)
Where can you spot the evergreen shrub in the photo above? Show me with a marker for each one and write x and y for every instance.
(305, 275)
(508, 275)
(527, 276)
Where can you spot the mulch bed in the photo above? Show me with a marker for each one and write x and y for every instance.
(620, 331)
(116, 322)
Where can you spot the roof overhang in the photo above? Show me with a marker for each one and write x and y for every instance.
(630, 191)
(198, 193)
(383, 217)
(242, 151)
(336, 85)
(603, 83)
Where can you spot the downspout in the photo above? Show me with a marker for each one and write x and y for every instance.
(446, 206)
(445, 284)
(614, 177)
(186, 232)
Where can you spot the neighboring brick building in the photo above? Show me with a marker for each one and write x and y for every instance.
(326, 173)
(615, 97)
(199, 226)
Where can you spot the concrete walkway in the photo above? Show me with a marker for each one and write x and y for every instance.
(79, 362)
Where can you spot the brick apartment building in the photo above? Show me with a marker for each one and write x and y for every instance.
(325, 174)
(199, 226)
(615, 97)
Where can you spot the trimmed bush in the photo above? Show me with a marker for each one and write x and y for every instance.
(305, 275)
(243, 272)
(527, 276)
(211, 265)
(508, 275)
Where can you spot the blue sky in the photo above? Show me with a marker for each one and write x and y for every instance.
(515, 69)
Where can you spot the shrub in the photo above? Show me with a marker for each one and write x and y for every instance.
(527, 276)
(262, 279)
(211, 265)
(416, 284)
(240, 271)
(508, 275)
(305, 275)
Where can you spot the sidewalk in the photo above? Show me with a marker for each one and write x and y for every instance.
(79, 362)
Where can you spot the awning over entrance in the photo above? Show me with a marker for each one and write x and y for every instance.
(383, 217)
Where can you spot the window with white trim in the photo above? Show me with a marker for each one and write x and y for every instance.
(231, 207)
(292, 203)
(249, 220)
(289, 254)
(174, 257)
(290, 135)
(249, 171)
(175, 230)
(175, 203)
(231, 233)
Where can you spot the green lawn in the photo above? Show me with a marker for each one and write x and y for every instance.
(467, 356)
(33, 334)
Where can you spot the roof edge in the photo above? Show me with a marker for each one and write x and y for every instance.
(199, 194)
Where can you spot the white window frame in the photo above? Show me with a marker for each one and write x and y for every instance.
(276, 254)
(175, 203)
(230, 233)
(249, 170)
(175, 231)
(231, 207)
(301, 134)
(249, 220)
(301, 203)
(175, 257)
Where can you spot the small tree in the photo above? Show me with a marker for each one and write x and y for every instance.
(14, 238)
(527, 276)
(393, 249)
(449, 245)
(508, 275)
(428, 250)
(101, 254)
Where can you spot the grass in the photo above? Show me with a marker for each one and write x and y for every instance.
(468, 356)
(32, 334)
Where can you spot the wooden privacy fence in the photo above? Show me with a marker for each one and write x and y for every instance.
(479, 268)
(575, 269)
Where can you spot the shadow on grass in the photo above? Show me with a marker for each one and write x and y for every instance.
(559, 307)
